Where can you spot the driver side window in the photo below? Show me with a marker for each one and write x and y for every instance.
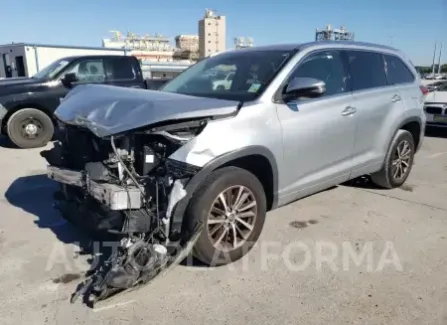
(326, 66)
(89, 70)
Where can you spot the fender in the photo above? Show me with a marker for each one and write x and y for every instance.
(197, 180)
(421, 125)
(399, 127)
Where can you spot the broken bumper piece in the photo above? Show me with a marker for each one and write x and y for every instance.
(113, 196)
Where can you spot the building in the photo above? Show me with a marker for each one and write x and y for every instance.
(333, 34)
(212, 34)
(243, 42)
(187, 42)
(25, 60)
(153, 48)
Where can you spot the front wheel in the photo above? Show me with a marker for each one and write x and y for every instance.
(231, 205)
(398, 162)
(30, 128)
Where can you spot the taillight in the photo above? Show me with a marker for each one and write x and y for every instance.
(424, 90)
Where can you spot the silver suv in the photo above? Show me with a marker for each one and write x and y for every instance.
(203, 164)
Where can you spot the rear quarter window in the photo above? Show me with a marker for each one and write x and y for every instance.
(397, 71)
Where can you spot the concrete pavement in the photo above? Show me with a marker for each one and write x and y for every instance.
(303, 270)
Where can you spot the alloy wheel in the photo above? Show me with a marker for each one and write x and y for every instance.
(231, 218)
(401, 160)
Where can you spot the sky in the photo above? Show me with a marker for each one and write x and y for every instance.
(412, 26)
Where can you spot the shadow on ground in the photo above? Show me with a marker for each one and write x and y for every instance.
(6, 143)
(34, 194)
(362, 182)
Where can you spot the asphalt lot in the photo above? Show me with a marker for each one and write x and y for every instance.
(283, 280)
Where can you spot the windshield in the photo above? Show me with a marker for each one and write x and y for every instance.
(239, 75)
(52, 70)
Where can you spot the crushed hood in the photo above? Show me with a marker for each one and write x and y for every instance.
(108, 110)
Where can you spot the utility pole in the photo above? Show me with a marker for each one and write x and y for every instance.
(434, 58)
(439, 60)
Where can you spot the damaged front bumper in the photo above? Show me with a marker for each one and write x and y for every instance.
(114, 196)
(129, 187)
(3, 112)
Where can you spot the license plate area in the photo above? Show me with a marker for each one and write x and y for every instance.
(440, 118)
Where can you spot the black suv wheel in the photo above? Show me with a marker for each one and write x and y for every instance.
(30, 128)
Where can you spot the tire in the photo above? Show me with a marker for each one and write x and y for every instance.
(41, 123)
(199, 212)
(220, 88)
(386, 176)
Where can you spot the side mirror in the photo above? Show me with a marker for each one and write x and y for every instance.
(304, 87)
(69, 79)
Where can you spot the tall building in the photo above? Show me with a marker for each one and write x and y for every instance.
(212, 34)
(187, 42)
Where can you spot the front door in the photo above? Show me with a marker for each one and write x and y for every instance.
(87, 71)
(318, 134)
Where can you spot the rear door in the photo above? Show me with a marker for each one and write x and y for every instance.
(123, 71)
(379, 105)
(400, 75)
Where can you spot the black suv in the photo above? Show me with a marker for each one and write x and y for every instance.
(27, 104)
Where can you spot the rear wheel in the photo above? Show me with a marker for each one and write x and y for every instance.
(30, 128)
(398, 162)
(231, 205)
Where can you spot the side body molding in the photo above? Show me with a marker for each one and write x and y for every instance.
(197, 180)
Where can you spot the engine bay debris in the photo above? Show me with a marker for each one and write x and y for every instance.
(125, 186)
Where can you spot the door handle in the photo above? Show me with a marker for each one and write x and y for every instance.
(396, 98)
(348, 111)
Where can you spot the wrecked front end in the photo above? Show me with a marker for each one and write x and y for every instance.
(126, 185)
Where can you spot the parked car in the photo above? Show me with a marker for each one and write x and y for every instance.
(435, 106)
(27, 104)
(191, 164)
(435, 85)
(224, 83)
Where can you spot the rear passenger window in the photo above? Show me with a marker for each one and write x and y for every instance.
(397, 71)
(367, 70)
